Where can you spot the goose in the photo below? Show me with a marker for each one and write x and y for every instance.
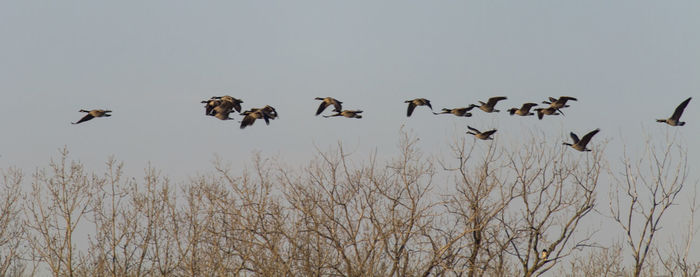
(325, 102)
(557, 104)
(235, 103)
(489, 106)
(580, 145)
(457, 111)
(417, 102)
(524, 110)
(92, 114)
(253, 114)
(210, 104)
(480, 135)
(541, 112)
(347, 113)
(222, 110)
(674, 120)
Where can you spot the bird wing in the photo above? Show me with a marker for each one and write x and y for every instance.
(679, 110)
(540, 113)
(427, 103)
(528, 106)
(85, 118)
(489, 133)
(237, 106)
(588, 137)
(494, 100)
(411, 106)
(574, 137)
(248, 120)
(473, 129)
(321, 107)
(338, 105)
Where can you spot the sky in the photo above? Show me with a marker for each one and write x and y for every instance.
(152, 62)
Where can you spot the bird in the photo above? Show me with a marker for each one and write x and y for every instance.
(544, 254)
(210, 104)
(481, 135)
(580, 145)
(457, 111)
(235, 103)
(266, 113)
(489, 106)
(524, 110)
(674, 120)
(417, 102)
(541, 112)
(92, 114)
(327, 101)
(347, 113)
(557, 104)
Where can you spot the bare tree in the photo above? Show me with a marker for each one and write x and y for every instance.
(644, 192)
(481, 198)
(11, 228)
(555, 191)
(57, 204)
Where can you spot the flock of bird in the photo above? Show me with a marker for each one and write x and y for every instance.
(222, 106)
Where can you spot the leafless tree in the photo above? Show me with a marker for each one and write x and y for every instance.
(643, 193)
(11, 228)
(555, 190)
(57, 205)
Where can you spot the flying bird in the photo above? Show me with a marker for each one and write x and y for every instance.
(524, 110)
(417, 102)
(457, 111)
(674, 120)
(481, 135)
(541, 112)
(348, 114)
(266, 113)
(580, 145)
(490, 106)
(557, 104)
(325, 102)
(92, 114)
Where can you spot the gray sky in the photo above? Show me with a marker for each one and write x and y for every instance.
(151, 62)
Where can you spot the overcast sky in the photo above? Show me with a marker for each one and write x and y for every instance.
(152, 62)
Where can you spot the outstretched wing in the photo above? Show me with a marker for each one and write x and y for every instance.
(338, 105)
(248, 120)
(321, 107)
(528, 106)
(411, 107)
(494, 100)
(427, 103)
(473, 129)
(679, 110)
(588, 137)
(489, 133)
(85, 118)
(574, 137)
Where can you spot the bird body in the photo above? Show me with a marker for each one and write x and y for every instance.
(481, 135)
(416, 102)
(327, 101)
(524, 110)
(544, 254)
(92, 114)
(541, 112)
(266, 113)
(458, 111)
(559, 103)
(221, 106)
(580, 145)
(675, 119)
(348, 114)
(490, 106)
